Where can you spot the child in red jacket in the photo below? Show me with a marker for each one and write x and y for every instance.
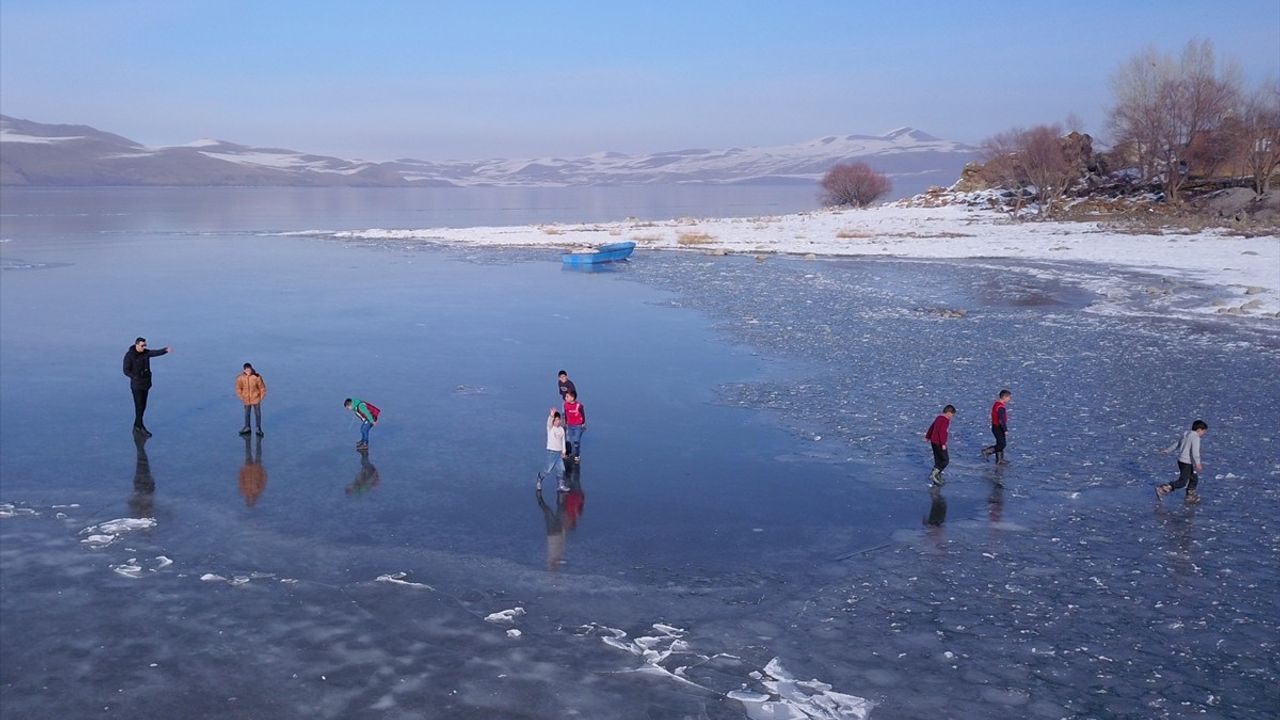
(937, 437)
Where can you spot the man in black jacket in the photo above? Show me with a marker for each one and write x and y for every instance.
(137, 366)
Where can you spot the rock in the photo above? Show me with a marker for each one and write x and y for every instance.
(1229, 202)
(1251, 305)
(760, 258)
(971, 179)
(718, 251)
(1219, 302)
(1254, 290)
(810, 256)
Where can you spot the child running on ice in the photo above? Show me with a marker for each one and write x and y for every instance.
(937, 437)
(1187, 449)
(555, 451)
(368, 415)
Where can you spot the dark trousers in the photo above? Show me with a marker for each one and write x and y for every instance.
(139, 404)
(1186, 477)
(999, 433)
(257, 413)
(941, 458)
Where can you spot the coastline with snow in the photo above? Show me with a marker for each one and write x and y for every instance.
(1244, 271)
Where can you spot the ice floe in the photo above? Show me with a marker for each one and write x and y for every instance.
(103, 534)
(782, 697)
(505, 616)
(8, 510)
(398, 578)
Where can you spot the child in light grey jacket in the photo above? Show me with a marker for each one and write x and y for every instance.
(1187, 448)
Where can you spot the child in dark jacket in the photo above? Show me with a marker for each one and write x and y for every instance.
(937, 437)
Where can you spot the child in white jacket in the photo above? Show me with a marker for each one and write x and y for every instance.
(555, 451)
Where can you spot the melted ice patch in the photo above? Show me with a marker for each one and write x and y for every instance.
(103, 534)
(505, 616)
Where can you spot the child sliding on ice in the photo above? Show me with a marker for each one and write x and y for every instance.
(555, 451)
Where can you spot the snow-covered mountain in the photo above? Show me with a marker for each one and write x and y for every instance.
(38, 154)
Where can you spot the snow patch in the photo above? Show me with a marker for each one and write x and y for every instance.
(1243, 268)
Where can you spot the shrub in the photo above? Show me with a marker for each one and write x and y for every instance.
(693, 238)
(855, 184)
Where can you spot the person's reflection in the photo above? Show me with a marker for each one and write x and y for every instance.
(253, 477)
(995, 503)
(366, 479)
(1179, 552)
(575, 500)
(555, 529)
(937, 508)
(564, 517)
(142, 501)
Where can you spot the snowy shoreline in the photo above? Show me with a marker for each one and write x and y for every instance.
(1246, 269)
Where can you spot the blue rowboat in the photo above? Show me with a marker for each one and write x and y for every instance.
(603, 254)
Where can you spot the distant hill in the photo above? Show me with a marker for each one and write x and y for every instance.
(34, 153)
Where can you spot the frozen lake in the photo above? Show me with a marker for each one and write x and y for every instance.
(752, 509)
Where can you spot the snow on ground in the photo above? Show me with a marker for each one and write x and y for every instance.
(1248, 268)
(7, 135)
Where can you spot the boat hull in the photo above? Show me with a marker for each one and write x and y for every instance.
(612, 252)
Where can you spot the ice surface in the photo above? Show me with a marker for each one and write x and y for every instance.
(714, 533)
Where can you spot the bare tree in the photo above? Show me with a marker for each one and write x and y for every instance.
(1164, 105)
(855, 184)
(1035, 158)
(1046, 164)
(1260, 135)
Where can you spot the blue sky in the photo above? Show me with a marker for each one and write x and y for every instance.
(436, 80)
